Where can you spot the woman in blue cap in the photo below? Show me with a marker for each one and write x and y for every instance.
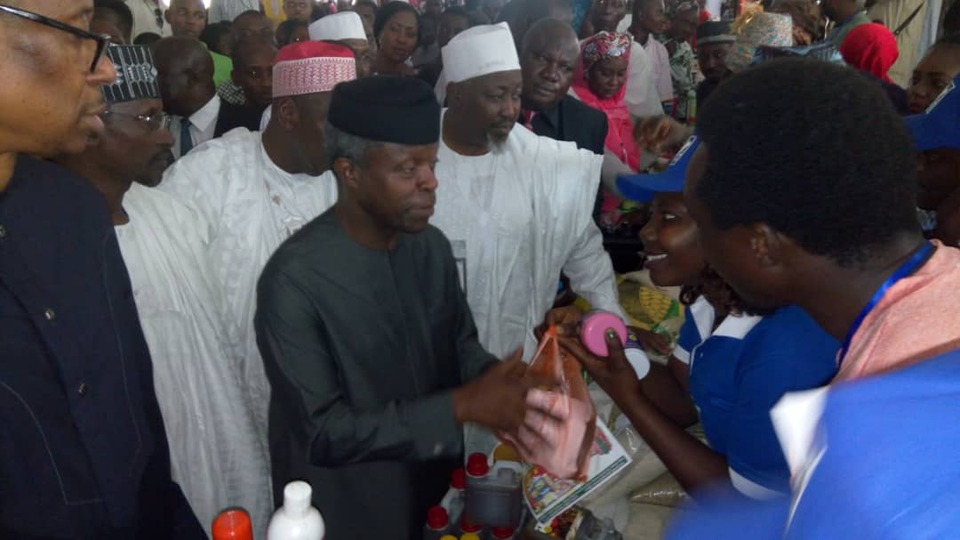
(731, 365)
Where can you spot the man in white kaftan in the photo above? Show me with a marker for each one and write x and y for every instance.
(517, 207)
(255, 189)
(217, 454)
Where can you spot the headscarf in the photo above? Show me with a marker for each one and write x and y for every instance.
(620, 128)
(871, 48)
(753, 29)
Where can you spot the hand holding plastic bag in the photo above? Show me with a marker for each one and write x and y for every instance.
(560, 447)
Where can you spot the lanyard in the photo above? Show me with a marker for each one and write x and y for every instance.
(905, 270)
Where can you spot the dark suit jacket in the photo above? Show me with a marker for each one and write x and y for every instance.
(83, 451)
(573, 121)
(234, 116)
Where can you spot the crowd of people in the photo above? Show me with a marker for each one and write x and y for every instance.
(251, 242)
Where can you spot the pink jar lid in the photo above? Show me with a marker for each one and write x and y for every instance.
(594, 327)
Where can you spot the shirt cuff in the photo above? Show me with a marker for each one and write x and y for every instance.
(437, 433)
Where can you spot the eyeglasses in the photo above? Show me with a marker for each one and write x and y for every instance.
(157, 121)
(102, 40)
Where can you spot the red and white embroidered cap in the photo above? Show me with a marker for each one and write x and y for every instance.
(311, 67)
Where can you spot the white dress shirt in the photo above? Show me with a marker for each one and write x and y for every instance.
(203, 124)
(145, 18)
(660, 59)
(643, 99)
(227, 10)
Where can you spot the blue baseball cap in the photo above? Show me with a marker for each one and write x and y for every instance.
(642, 187)
(939, 126)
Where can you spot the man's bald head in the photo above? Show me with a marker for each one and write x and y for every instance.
(548, 59)
(551, 31)
(522, 14)
(185, 71)
(187, 17)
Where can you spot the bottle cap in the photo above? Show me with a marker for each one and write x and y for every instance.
(638, 361)
(296, 498)
(233, 524)
(593, 331)
(437, 518)
(468, 527)
(469, 536)
(502, 532)
(477, 465)
(448, 537)
(458, 479)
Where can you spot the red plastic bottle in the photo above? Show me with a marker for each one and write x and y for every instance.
(233, 524)
(477, 465)
(467, 527)
(437, 523)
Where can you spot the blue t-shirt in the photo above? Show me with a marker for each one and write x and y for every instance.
(739, 371)
(883, 465)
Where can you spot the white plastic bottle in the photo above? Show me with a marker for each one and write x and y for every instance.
(296, 519)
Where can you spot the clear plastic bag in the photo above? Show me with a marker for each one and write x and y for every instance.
(569, 457)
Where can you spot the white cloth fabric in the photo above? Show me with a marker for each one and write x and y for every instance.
(796, 418)
(642, 97)
(145, 18)
(522, 213)
(525, 212)
(265, 117)
(660, 60)
(227, 10)
(203, 124)
(217, 455)
(337, 27)
(479, 51)
(250, 206)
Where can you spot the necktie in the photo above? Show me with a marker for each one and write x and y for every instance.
(528, 119)
(186, 139)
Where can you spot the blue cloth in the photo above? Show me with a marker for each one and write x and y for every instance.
(939, 126)
(83, 452)
(890, 467)
(737, 377)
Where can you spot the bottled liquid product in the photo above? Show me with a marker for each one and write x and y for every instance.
(232, 524)
(691, 107)
(454, 500)
(296, 519)
(493, 496)
(438, 523)
(593, 330)
(468, 527)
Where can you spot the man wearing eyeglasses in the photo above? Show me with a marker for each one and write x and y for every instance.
(83, 451)
(217, 458)
(148, 17)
